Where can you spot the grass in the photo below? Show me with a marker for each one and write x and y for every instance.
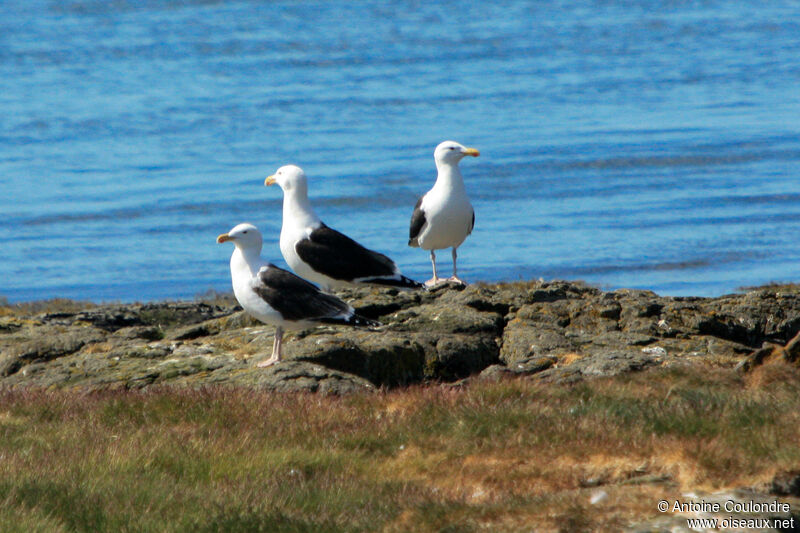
(55, 305)
(65, 305)
(215, 297)
(508, 456)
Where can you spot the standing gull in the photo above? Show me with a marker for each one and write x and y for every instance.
(443, 217)
(321, 254)
(277, 297)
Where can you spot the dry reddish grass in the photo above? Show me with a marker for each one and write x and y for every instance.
(509, 456)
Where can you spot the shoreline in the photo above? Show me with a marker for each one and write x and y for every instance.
(227, 295)
(211, 292)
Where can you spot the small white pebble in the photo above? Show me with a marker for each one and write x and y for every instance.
(598, 497)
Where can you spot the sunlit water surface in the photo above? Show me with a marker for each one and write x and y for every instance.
(629, 144)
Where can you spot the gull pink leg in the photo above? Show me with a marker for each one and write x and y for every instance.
(455, 272)
(276, 349)
(435, 280)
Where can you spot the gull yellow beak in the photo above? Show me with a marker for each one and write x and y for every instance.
(472, 151)
(223, 238)
(270, 180)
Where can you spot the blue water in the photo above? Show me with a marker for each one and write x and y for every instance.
(648, 144)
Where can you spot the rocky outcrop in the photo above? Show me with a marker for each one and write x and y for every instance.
(556, 331)
(771, 353)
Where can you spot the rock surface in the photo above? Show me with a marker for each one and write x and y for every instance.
(557, 331)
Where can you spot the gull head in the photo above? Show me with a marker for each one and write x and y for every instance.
(288, 178)
(451, 152)
(245, 236)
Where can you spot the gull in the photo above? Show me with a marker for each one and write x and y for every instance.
(321, 254)
(444, 217)
(278, 297)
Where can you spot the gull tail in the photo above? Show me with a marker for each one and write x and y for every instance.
(399, 281)
(351, 319)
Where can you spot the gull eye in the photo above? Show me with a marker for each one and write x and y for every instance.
(452, 147)
(245, 231)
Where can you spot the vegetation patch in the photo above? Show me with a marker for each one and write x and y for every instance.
(508, 455)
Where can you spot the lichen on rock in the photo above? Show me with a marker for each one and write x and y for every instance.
(555, 330)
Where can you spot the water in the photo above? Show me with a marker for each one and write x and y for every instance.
(644, 144)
